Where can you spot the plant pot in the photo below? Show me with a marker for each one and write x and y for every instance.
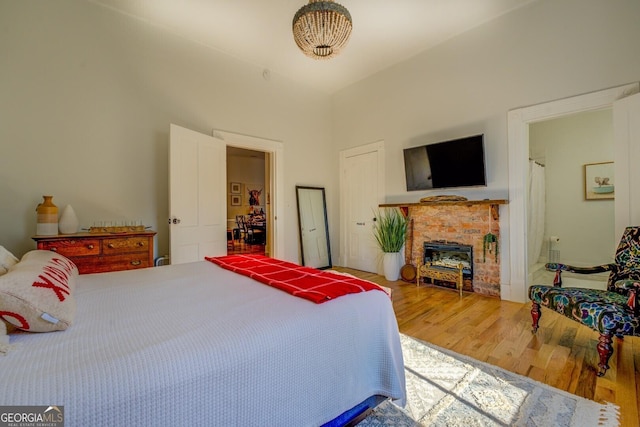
(391, 265)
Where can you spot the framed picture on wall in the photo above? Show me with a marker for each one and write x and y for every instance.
(236, 200)
(599, 181)
(254, 194)
(234, 188)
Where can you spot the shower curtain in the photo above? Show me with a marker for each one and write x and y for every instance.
(536, 212)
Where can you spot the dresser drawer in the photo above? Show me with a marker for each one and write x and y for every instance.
(125, 244)
(72, 247)
(120, 262)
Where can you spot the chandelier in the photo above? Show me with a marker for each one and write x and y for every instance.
(322, 28)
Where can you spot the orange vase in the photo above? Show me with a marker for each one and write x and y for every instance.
(47, 224)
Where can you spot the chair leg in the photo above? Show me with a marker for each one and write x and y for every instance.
(605, 350)
(535, 316)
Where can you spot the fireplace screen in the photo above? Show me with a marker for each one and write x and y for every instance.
(449, 255)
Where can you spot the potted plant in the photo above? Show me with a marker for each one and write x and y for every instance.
(389, 230)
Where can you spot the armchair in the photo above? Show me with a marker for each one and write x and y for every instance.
(614, 311)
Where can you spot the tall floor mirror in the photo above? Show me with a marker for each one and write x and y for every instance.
(314, 228)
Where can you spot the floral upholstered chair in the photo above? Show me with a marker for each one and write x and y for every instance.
(613, 311)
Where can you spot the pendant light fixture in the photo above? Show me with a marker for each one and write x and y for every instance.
(322, 28)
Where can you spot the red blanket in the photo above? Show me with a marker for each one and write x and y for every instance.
(305, 282)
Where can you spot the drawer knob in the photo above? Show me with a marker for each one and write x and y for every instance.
(54, 249)
(110, 245)
(140, 243)
(90, 246)
(136, 262)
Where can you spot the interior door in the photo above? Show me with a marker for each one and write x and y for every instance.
(197, 196)
(363, 174)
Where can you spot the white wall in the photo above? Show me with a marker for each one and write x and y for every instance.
(585, 227)
(87, 96)
(549, 50)
(86, 100)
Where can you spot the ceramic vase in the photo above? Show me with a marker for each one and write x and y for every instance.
(68, 223)
(391, 265)
(47, 222)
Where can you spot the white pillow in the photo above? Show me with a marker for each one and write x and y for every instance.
(7, 260)
(36, 294)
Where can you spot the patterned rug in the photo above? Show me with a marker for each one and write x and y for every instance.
(449, 389)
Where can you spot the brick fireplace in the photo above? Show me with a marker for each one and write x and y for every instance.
(462, 223)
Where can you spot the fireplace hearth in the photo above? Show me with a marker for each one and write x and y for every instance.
(449, 255)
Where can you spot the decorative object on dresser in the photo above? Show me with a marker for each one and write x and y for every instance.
(102, 252)
(68, 223)
(47, 222)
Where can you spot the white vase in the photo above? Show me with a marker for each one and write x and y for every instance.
(68, 222)
(391, 266)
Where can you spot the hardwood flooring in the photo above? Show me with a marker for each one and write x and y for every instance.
(240, 247)
(561, 354)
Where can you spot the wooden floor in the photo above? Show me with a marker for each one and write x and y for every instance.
(561, 354)
(240, 247)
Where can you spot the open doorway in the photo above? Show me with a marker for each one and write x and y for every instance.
(564, 223)
(198, 192)
(514, 287)
(270, 198)
(248, 183)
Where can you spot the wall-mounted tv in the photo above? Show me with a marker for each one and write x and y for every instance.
(455, 163)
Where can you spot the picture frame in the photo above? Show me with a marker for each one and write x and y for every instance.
(599, 182)
(234, 188)
(236, 200)
(253, 194)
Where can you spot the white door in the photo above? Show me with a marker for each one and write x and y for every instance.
(362, 173)
(197, 196)
(626, 131)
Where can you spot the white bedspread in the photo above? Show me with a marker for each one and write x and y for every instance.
(194, 344)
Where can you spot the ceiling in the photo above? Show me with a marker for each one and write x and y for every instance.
(258, 32)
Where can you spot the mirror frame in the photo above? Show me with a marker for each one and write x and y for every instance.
(299, 189)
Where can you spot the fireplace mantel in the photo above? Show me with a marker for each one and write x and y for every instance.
(404, 207)
(442, 203)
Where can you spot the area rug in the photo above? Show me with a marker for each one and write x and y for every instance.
(448, 389)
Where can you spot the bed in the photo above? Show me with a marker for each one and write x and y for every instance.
(196, 344)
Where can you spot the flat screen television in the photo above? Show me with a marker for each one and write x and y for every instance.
(455, 163)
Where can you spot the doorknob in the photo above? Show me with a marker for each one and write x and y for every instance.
(174, 220)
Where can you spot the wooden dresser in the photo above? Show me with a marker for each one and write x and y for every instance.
(98, 253)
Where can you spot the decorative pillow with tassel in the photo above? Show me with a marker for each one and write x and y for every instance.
(36, 295)
(7, 260)
(4, 338)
